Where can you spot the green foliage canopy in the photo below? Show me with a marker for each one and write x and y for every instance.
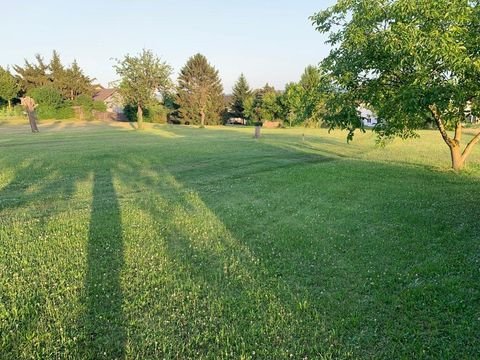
(304, 102)
(265, 104)
(76, 82)
(47, 96)
(241, 92)
(69, 81)
(9, 87)
(51, 104)
(142, 78)
(200, 92)
(412, 61)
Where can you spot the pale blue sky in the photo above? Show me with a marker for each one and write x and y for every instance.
(269, 41)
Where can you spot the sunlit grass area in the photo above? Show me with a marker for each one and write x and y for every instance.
(178, 242)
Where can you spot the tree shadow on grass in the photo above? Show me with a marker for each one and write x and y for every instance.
(303, 261)
(216, 296)
(27, 247)
(103, 322)
(35, 207)
(360, 256)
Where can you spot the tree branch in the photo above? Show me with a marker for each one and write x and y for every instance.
(470, 145)
(458, 132)
(441, 127)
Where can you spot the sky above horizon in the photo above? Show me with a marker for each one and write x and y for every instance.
(269, 41)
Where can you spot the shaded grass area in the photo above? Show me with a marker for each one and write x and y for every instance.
(186, 243)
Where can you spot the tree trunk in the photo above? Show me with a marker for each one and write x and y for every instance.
(202, 118)
(30, 106)
(457, 156)
(140, 117)
(9, 105)
(458, 161)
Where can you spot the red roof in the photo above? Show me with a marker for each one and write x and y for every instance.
(103, 94)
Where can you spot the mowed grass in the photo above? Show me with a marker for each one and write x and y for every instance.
(186, 243)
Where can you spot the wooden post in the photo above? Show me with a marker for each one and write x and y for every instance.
(29, 104)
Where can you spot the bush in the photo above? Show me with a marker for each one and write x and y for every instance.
(17, 110)
(47, 96)
(85, 101)
(130, 112)
(88, 105)
(99, 106)
(51, 104)
(47, 112)
(65, 112)
(154, 113)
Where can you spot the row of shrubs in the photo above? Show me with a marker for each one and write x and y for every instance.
(154, 113)
(51, 105)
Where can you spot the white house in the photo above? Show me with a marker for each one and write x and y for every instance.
(469, 117)
(369, 118)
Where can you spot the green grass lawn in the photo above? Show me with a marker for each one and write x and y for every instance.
(186, 243)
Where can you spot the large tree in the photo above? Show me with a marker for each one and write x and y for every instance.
(69, 81)
(77, 83)
(57, 74)
(32, 74)
(266, 104)
(9, 87)
(412, 61)
(200, 91)
(241, 92)
(304, 102)
(292, 103)
(143, 77)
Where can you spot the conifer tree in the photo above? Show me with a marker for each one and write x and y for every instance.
(200, 92)
(70, 82)
(32, 75)
(57, 73)
(9, 87)
(77, 83)
(241, 92)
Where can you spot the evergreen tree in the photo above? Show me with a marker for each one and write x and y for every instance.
(57, 74)
(9, 87)
(76, 82)
(200, 92)
(70, 82)
(241, 92)
(32, 75)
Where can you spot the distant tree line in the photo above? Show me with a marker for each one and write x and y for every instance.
(54, 87)
(149, 93)
(416, 64)
(199, 96)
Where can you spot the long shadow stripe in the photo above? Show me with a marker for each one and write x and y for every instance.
(104, 320)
